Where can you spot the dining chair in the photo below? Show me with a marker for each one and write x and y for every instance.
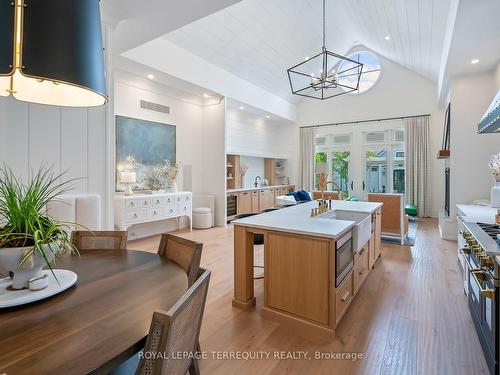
(84, 240)
(173, 332)
(185, 253)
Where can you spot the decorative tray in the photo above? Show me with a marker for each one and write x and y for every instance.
(11, 298)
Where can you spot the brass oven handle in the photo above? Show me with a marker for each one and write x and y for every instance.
(488, 293)
(345, 296)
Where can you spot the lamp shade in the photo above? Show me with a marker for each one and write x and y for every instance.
(128, 177)
(58, 52)
(321, 168)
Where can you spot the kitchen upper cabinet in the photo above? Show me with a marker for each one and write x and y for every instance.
(244, 202)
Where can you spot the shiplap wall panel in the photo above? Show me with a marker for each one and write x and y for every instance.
(74, 146)
(14, 120)
(72, 139)
(97, 149)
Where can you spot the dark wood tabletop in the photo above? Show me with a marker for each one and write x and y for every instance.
(96, 324)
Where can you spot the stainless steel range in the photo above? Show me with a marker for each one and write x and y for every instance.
(481, 253)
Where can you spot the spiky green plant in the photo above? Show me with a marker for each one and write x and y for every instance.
(23, 218)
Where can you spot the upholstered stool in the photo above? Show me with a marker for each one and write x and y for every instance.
(202, 218)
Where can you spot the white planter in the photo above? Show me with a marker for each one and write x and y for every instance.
(174, 186)
(11, 257)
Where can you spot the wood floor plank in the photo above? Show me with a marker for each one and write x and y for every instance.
(411, 315)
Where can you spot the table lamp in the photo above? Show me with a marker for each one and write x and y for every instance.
(128, 178)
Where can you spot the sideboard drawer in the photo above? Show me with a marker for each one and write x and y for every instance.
(145, 202)
(170, 211)
(159, 202)
(132, 204)
(137, 215)
(155, 213)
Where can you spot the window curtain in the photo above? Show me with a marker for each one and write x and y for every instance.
(418, 159)
(307, 157)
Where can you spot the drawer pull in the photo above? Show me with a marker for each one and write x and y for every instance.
(345, 296)
(157, 201)
(145, 203)
(135, 215)
(171, 210)
(132, 204)
(362, 251)
(478, 276)
(155, 213)
(361, 272)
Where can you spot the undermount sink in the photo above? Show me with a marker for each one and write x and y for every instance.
(362, 229)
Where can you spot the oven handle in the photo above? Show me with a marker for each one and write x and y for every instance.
(485, 292)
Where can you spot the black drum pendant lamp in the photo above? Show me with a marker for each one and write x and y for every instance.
(51, 52)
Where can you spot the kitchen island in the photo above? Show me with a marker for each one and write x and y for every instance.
(312, 265)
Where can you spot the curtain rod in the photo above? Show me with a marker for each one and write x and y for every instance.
(363, 121)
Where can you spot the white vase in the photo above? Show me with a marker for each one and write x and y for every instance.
(495, 195)
(11, 257)
(174, 186)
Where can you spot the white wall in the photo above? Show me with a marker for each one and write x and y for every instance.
(213, 150)
(398, 92)
(72, 139)
(256, 167)
(263, 138)
(470, 176)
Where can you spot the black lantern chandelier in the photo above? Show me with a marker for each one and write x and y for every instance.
(325, 75)
(51, 52)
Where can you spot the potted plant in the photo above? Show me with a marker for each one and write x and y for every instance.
(29, 239)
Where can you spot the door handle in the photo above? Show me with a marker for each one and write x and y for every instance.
(352, 185)
(364, 186)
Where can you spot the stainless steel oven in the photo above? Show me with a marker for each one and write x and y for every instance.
(343, 258)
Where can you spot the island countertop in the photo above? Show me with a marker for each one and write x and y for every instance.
(297, 219)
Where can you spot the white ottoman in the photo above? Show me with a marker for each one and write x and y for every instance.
(202, 218)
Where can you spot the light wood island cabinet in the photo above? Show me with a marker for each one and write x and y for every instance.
(300, 264)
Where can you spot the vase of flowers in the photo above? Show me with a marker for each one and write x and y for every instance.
(172, 171)
(243, 172)
(29, 239)
(494, 165)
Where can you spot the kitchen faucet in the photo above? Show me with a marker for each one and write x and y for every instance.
(256, 183)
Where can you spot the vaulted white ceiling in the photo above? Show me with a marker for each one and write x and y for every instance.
(259, 39)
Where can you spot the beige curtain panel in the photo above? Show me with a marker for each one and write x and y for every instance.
(307, 157)
(418, 164)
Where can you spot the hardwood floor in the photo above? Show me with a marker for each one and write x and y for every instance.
(410, 317)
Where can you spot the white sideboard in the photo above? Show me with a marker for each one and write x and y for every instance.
(146, 208)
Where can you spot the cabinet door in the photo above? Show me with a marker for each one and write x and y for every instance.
(269, 198)
(378, 234)
(255, 202)
(244, 203)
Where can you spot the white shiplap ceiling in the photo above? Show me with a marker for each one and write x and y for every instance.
(259, 39)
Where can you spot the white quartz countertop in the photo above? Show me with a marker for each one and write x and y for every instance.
(257, 188)
(477, 214)
(297, 219)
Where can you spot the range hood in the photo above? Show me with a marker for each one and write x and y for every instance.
(490, 122)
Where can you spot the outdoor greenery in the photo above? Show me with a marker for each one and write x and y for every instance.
(23, 216)
(340, 166)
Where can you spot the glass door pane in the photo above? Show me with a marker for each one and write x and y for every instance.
(398, 171)
(340, 170)
(376, 171)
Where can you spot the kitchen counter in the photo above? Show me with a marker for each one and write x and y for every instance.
(312, 272)
(297, 219)
(477, 214)
(229, 191)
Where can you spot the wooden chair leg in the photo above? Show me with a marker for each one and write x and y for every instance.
(194, 369)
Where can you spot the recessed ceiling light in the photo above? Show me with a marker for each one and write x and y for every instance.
(242, 108)
(151, 76)
(268, 116)
(387, 37)
(206, 96)
(474, 61)
(306, 58)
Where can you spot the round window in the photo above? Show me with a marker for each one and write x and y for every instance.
(369, 74)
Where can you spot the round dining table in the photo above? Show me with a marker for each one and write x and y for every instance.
(98, 323)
